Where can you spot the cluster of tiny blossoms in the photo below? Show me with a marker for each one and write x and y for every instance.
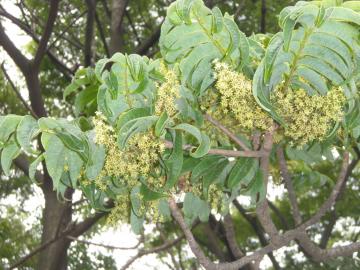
(139, 157)
(236, 98)
(121, 210)
(307, 117)
(167, 93)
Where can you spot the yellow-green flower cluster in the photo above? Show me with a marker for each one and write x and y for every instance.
(307, 117)
(139, 157)
(215, 198)
(236, 99)
(167, 93)
(121, 210)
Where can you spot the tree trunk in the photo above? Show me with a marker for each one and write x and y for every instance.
(56, 218)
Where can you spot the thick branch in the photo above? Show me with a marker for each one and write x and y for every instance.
(20, 60)
(117, 16)
(54, 6)
(231, 237)
(144, 47)
(89, 32)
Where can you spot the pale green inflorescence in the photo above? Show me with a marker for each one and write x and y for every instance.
(236, 99)
(308, 118)
(167, 92)
(140, 158)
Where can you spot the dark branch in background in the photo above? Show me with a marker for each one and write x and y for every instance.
(20, 60)
(325, 236)
(102, 34)
(263, 17)
(144, 47)
(102, 245)
(27, 107)
(132, 26)
(26, 28)
(89, 32)
(54, 6)
(258, 231)
(231, 237)
(143, 251)
(73, 231)
(117, 16)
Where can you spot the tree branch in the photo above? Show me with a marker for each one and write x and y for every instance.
(20, 60)
(89, 32)
(289, 186)
(223, 152)
(117, 16)
(143, 252)
(54, 6)
(227, 132)
(144, 47)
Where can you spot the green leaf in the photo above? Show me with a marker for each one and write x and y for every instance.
(164, 208)
(131, 115)
(150, 195)
(243, 172)
(26, 131)
(203, 167)
(135, 198)
(161, 123)
(136, 223)
(256, 189)
(193, 36)
(54, 157)
(8, 154)
(203, 139)
(8, 126)
(33, 167)
(195, 207)
(96, 161)
(134, 126)
(175, 162)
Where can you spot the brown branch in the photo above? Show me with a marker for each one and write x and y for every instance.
(20, 60)
(326, 206)
(231, 237)
(102, 245)
(143, 252)
(89, 32)
(223, 152)
(102, 34)
(117, 16)
(27, 107)
(258, 231)
(227, 132)
(262, 209)
(144, 46)
(325, 236)
(289, 186)
(54, 6)
(73, 231)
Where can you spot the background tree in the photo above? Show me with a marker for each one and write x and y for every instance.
(66, 34)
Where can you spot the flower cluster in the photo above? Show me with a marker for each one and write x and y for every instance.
(121, 210)
(167, 93)
(236, 99)
(307, 117)
(138, 159)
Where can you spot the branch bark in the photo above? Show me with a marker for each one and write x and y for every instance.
(117, 16)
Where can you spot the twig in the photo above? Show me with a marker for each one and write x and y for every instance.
(289, 186)
(222, 152)
(103, 245)
(143, 252)
(227, 132)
